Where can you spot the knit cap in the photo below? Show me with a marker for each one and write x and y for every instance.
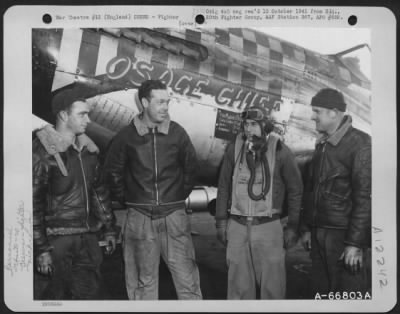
(329, 98)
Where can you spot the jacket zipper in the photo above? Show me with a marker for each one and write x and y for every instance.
(155, 165)
(86, 191)
(316, 197)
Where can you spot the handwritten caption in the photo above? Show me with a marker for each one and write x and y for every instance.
(380, 261)
(219, 14)
(18, 243)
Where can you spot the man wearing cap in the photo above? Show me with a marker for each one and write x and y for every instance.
(151, 165)
(257, 171)
(336, 220)
(70, 204)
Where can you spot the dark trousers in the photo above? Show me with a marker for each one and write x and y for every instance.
(76, 260)
(328, 274)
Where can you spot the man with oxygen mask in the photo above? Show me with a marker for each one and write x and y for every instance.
(258, 172)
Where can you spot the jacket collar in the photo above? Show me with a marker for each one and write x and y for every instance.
(54, 142)
(143, 128)
(336, 137)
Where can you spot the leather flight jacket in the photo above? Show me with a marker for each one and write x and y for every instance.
(68, 195)
(151, 169)
(338, 185)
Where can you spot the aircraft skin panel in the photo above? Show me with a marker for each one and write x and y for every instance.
(107, 50)
(345, 74)
(261, 84)
(221, 70)
(175, 62)
(300, 56)
(263, 53)
(38, 123)
(293, 64)
(207, 68)
(88, 54)
(46, 47)
(235, 74)
(144, 53)
(249, 48)
(275, 45)
(128, 48)
(68, 57)
(209, 149)
(221, 37)
(45, 54)
(261, 39)
(201, 129)
(109, 110)
(235, 42)
(249, 35)
(192, 35)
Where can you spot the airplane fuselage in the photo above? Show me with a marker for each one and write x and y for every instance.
(212, 76)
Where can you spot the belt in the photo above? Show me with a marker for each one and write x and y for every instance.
(157, 211)
(255, 220)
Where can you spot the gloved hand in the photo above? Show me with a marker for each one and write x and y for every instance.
(221, 225)
(353, 258)
(306, 240)
(290, 238)
(44, 264)
(111, 244)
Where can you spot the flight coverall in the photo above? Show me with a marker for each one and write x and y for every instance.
(255, 246)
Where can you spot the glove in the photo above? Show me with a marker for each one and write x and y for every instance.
(44, 264)
(306, 240)
(221, 231)
(111, 244)
(353, 258)
(290, 238)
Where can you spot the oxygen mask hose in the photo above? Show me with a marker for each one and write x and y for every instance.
(254, 157)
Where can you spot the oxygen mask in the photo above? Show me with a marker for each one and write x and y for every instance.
(257, 144)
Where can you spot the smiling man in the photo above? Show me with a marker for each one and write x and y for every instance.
(150, 167)
(70, 203)
(336, 221)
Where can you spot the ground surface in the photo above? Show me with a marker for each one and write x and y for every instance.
(210, 256)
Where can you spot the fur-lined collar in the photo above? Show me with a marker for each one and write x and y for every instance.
(54, 142)
(335, 138)
(142, 128)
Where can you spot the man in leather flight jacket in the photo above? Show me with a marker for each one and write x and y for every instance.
(70, 204)
(257, 171)
(150, 166)
(336, 219)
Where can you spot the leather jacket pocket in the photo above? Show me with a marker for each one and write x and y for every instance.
(336, 185)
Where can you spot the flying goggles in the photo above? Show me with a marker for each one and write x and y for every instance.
(256, 114)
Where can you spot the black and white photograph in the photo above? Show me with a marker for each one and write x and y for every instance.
(209, 161)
